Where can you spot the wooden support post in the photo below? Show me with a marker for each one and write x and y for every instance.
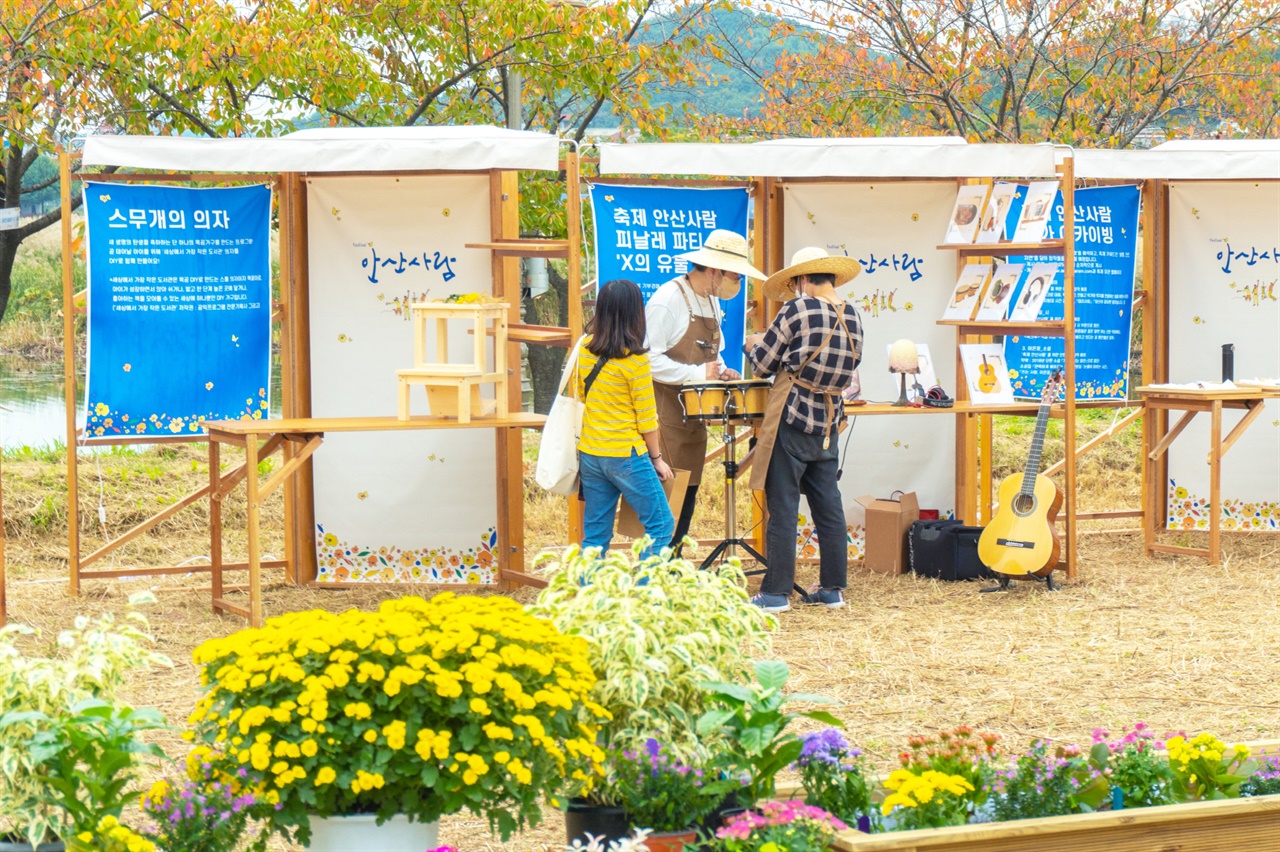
(573, 219)
(986, 489)
(252, 505)
(1234, 434)
(1160, 287)
(69, 375)
(215, 519)
(286, 202)
(1163, 446)
(1097, 440)
(504, 224)
(297, 384)
(1067, 172)
(1215, 482)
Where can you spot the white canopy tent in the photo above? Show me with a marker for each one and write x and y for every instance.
(346, 149)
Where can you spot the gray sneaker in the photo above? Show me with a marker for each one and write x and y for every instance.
(771, 603)
(833, 598)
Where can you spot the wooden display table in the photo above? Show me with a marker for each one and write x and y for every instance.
(1192, 401)
(453, 389)
(298, 439)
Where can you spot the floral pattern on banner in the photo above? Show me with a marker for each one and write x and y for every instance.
(342, 562)
(807, 539)
(1188, 511)
(102, 419)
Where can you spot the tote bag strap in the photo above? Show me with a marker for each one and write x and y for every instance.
(570, 365)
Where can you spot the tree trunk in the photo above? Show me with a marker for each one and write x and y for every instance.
(8, 255)
(546, 362)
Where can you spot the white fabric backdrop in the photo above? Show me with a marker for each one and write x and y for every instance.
(909, 452)
(401, 506)
(1210, 305)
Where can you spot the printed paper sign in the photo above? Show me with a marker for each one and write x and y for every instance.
(179, 311)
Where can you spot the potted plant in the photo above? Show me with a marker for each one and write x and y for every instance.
(397, 717)
(206, 811)
(837, 778)
(67, 750)
(1139, 772)
(959, 751)
(661, 793)
(752, 723)
(654, 632)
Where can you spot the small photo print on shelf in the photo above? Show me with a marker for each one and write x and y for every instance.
(964, 299)
(1035, 211)
(986, 373)
(925, 379)
(962, 227)
(993, 218)
(995, 304)
(1040, 278)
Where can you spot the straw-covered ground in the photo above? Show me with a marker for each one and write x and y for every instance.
(1169, 641)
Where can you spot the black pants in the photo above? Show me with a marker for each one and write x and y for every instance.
(800, 465)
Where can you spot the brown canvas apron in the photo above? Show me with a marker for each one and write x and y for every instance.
(684, 443)
(777, 405)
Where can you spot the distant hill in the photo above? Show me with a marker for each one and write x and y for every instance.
(738, 32)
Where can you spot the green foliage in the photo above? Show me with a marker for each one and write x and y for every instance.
(1264, 782)
(655, 631)
(87, 755)
(39, 694)
(753, 723)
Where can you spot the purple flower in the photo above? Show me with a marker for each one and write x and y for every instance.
(653, 747)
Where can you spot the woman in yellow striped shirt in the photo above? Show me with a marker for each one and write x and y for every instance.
(618, 451)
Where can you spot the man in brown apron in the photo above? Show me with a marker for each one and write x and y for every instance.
(812, 348)
(684, 340)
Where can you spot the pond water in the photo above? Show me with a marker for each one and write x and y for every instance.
(34, 394)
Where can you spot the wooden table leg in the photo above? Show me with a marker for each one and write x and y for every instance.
(215, 520)
(255, 567)
(1215, 483)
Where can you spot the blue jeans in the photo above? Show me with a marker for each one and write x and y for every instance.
(604, 479)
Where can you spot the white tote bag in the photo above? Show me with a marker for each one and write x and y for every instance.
(558, 453)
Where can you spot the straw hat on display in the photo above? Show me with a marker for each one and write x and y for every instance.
(727, 251)
(810, 261)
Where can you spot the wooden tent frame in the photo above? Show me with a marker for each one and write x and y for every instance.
(974, 486)
(297, 436)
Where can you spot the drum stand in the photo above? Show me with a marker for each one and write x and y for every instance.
(731, 468)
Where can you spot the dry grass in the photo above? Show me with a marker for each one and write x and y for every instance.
(1167, 640)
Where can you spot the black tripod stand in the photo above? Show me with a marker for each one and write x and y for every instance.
(725, 548)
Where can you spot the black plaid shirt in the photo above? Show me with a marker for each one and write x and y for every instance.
(797, 330)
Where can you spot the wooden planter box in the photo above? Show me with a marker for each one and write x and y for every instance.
(1230, 825)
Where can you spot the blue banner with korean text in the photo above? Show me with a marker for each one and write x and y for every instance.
(1106, 237)
(639, 231)
(179, 313)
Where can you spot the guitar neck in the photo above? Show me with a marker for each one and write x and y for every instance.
(1032, 469)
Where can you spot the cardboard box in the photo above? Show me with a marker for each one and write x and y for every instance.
(888, 522)
(629, 525)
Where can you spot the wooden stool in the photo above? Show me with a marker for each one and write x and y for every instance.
(453, 389)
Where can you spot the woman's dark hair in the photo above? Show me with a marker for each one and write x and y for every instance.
(820, 278)
(617, 329)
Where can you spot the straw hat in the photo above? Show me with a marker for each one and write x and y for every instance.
(809, 261)
(727, 251)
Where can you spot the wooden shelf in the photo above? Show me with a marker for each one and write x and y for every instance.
(1027, 407)
(1006, 328)
(1005, 249)
(525, 248)
(549, 335)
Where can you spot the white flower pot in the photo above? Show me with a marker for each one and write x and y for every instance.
(349, 833)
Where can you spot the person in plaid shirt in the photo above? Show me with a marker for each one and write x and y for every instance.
(812, 348)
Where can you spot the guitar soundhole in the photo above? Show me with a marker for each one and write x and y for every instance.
(1024, 504)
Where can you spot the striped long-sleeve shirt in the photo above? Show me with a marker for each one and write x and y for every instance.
(620, 406)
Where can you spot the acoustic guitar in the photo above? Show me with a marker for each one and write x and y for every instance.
(987, 381)
(1021, 539)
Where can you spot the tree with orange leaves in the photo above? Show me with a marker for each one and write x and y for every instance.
(1083, 72)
